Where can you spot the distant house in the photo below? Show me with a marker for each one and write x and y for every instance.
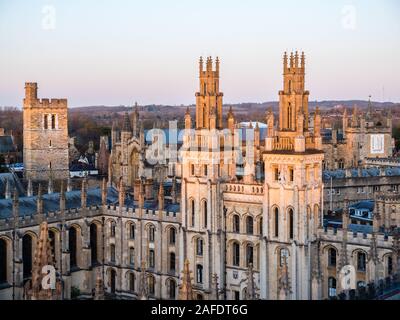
(8, 149)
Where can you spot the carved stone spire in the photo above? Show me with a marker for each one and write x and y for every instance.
(121, 193)
(43, 258)
(62, 197)
(284, 282)
(7, 193)
(39, 204)
(251, 286)
(104, 192)
(173, 190)
(215, 289)
(50, 188)
(29, 190)
(161, 196)
(185, 290)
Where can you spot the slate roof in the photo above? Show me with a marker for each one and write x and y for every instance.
(369, 172)
(51, 202)
(10, 177)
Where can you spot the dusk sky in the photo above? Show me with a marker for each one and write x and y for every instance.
(117, 52)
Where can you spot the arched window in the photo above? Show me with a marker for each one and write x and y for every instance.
(132, 256)
(331, 287)
(131, 282)
(199, 273)
(249, 254)
(172, 236)
(249, 225)
(112, 252)
(132, 231)
(53, 121)
(332, 257)
(112, 229)
(361, 261)
(192, 213)
(151, 284)
(152, 259)
(151, 233)
(260, 226)
(73, 238)
(3, 261)
(205, 214)
(276, 220)
(27, 255)
(199, 246)
(235, 254)
(93, 244)
(290, 86)
(171, 289)
(199, 296)
(341, 164)
(291, 226)
(113, 276)
(236, 223)
(172, 261)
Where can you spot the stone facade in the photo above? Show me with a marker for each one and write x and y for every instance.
(45, 136)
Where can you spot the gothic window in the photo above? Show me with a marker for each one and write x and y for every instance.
(290, 86)
(151, 284)
(236, 223)
(276, 174)
(131, 282)
(192, 170)
(112, 229)
(3, 261)
(289, 120)
(132, 256)
(172, 236)
(291, 226)
(331, 287)
(235, 254)
(132, 231)
(205, 170)
(112, 253)
(205, 214)
(152, 261)
(52, 238)
(72, 237)
(93, 244)
(361, 261)
(260, 228)
(172, 289)
(192, 212)
(199, 273)
(341, 164)
(151, 233)
(205, 88)
(249, 225)
(291, 174)
(172, 261)
(332, 257)
(249, 254)
(276, 219)
(199, 246)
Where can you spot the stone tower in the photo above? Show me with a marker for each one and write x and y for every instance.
(45, 136)
(209, 98)
(293, 191)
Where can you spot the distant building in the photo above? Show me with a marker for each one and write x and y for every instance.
(8, 149)
(45, 136)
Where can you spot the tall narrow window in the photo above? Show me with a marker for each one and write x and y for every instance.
(132, 256)
(53, 121)
(152, 261)
(332, 257)
(390, 265)
(236, 223)
(331, 287)
(236, 254)
(249, 225)
(249, 255)
(199, 273)
(199, 247)
(93, 243)
(72, 235)
(276, 218)
(172, 289)
(291, 226)
(151, 285)
(276, 174)
(45, 122)
(192, 212)
(112, 229)
(289, 120)
(291, 174)
(132, 231)
(172, 235)
(151, 233)
(112, 253)
(3, 261)
(172, 261)
(260, 226)
(131, 282)
(361, 261)
(205, 215)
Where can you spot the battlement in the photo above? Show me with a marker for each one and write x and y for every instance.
(52, 103)
(329, 233)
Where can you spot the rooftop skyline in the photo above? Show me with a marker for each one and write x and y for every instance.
(112, 53)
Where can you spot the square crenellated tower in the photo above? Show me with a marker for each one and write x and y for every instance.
(45, 136)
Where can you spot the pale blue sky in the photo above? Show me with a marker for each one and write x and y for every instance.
(117, 52)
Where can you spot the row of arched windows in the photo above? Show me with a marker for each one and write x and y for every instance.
(203, 211)
(249, 254)
(249, 225)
